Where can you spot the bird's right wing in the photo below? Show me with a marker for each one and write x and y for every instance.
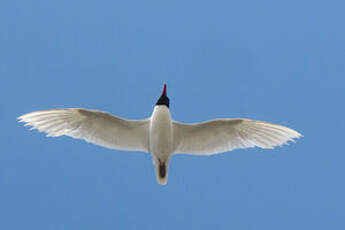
(224, 135)
(93, 126)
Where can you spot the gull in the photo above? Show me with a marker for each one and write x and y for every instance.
(159, 135)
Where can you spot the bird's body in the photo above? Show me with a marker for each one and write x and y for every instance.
(159, 135)
(161, 141)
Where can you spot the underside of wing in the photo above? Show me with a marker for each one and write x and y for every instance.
(93, 126)
(224, 135)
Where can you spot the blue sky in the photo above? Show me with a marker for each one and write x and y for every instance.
(278, 61)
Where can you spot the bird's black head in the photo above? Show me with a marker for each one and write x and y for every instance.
(163, 100)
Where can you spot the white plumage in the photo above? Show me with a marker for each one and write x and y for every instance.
(159, 135)
(224, 135)
(93, 126)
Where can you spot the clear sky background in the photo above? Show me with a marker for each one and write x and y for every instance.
(278, 61)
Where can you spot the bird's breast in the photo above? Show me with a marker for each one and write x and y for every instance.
(161, 132)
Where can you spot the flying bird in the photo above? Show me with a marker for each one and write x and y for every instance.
(159, 135)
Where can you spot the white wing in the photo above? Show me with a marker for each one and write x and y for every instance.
(223, 135)
(93, 126)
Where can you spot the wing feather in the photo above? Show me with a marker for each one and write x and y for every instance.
(93, 126)
(224, 135)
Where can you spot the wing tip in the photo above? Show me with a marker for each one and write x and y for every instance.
(21, 118)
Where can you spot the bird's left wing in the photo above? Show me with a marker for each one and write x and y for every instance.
(223, 135)
(93, 126)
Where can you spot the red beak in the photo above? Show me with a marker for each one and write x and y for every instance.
(164, 90)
